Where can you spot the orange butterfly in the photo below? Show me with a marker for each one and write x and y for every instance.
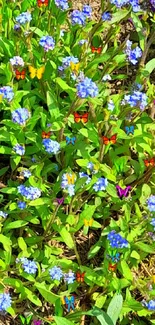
(80, 276)
(111, 140)
(96, 49)
(150, 162)
(42, 3)
(20, 75)
(46, 135)
(78, 117)
(112, 267)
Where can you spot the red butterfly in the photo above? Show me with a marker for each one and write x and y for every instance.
(111, 140)
(112, 267)
(20, 75)
(46, 135)
(150, 162)
(80, 276)
(96, 49)
(78, 117)
(42, 3)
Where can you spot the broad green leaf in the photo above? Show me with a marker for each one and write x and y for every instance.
(126, 270)
(22, 244)
(145, 248)
(46, 293)
(62, 321)
(6, 242)
(40, 201)
(115, 307)
(15, 224)
(52, 105)
(66, 236)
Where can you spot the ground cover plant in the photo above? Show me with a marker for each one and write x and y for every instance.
(77, 197)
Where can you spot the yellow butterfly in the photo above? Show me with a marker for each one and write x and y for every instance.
(70, 178)
(36, 72)
(75, 67)
(153, 278)
(1, 97)
(88, 223)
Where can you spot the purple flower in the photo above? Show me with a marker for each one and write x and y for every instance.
(24, 18)
(7, 93)
(20, 115)
(151, 203)
(56, 273)
(29, 266)
(116, 240)
(62, 4)
(100, 185)
(19, 149)
(106, 16)
(87, 10)
(3, 214)
(5, 301)
(47, 42)
(21, 205)
(17, 61)
(51, 146)
(69, 277)
(78, 17)
(37, 322)
(87, 88)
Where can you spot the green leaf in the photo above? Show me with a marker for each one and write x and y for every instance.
(115, 307)
(40, 201)
(111, 190)
(6, 242)
(150, 66)
(52, 105)
(62, 321)
(31, 296)
(15, 224)
(146, 192)
(145, 248)
(64, 85)
(5, 150)
(46, 292)
(126, 270)
(66, 236)
(103, 318)
(89, 211)
(22, 244)
(135, 255)
(119, 15)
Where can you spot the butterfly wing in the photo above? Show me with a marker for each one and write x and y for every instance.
(23, 74)
(1, 97)
(78, 277)
(68, 140)
(132, 129)
(93, 49)
(152, 162)
(105, 140)
(146, 162)
(46, 135)
(85, 118)
(127, 129)
(99, 49)
(72, 302)
(112, 267)
(126, 191)
(67, 303)
(73, 140)
(32, 72)
(113, 139)
(120, 191)
(18, 74)
(39, 72)
(77, 117)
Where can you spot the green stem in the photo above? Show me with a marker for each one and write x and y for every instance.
(145, 52)
(51, 221)
(76, 251)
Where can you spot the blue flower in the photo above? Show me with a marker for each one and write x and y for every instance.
(90, 166)
(121, 3)
(17, 61)
(56, 273)
(151, 305)
(69, 277)
(106, 16)
(111, 105)
(106, 77)
(132, 55)
(17, 27)
(83, 41)
(47, 42)
(62, 4)
(29, 266)
(78, 17)
(65, 184)
(62, 31)
(7, 93)
(5, 301)
(100, 185)
(87, 88)
(19, 149)
(24, 18)
(116, 240)
(153, 222)
(3, 214)
(30, 193)
(25, 173)
(152, 2)
(151, 203)
(21, 205)
(67, 60)
(20, 115)
(136, 99)
(87, 10)
(51, 146)
(85, 175)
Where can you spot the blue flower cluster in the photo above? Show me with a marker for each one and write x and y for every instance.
(100, 185)
(17, 61)
(65, 184)
(106, 16)
(21, 205)
(47, 42)
(150, 305)
(151, 203)
(152, 2)
(30, 193)
(51, 146)
(5, 301)
(19, 149)
(23, 18)
(132, 55)
(57, 274)
(79, 17)
(7, 93)
(3, 214)
(20, 115)
(116, 240)
(136, 99)
(121, 3)
(87, 10)
(29, 266)
(153, 222)
(85, 175)
(87, 88)
(62, 4)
